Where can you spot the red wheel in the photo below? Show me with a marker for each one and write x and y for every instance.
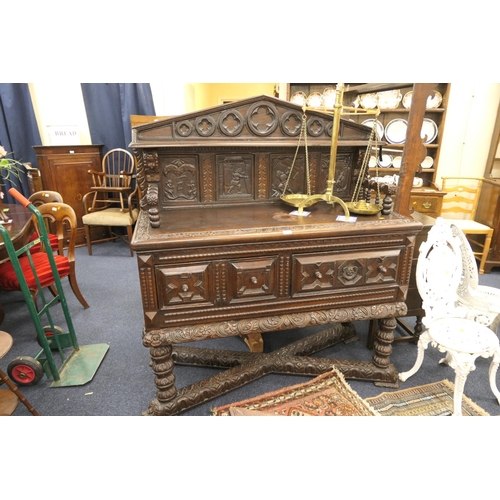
(25, 370)
(49, 334)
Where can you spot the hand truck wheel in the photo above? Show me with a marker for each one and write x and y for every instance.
(49, 334)
(25, 370)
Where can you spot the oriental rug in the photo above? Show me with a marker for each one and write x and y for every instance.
(326, 395)
(426, 400)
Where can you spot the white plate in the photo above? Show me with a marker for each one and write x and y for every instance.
(299, 98)
(378, 126)
(428, 162)
(396, 161)
(434, 101)
(395, 131)
(389, 99)
(315, 100)
(372, 163)
(407, 99)
(385, 161)
(429, 129)
(368, 101)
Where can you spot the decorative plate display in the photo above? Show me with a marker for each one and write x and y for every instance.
(378, 127)
(407, 99)
(429, 130)
(428, 162)
(315, 100)
(434, 101)
(329, 96)
(372, 162)
(385, 161)
(389, 99)
(368, 101)
(299, 98)
(396, 161)
(395, 131)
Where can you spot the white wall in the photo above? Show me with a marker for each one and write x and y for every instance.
(470, 120)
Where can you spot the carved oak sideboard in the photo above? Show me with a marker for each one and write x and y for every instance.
(219, 254)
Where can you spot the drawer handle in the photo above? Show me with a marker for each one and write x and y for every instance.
(382, 269)
(254, 280)
(318, 275)
(184, 288)
(427, 204)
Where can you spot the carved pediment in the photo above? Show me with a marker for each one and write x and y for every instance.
(257, 119)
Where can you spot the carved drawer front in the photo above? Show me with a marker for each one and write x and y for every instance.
(253, 279)
(184, 286)
(326, 272)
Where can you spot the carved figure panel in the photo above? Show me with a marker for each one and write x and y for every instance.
(235, 174)
(179, 179)
(281, 165)
(343, 174)
(254, 278)
(183, 285)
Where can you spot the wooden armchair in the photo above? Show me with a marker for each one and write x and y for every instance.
(111, 201)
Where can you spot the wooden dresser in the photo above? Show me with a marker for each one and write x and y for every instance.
(219, 254)
(65, 169)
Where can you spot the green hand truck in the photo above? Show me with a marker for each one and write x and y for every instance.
(79, 365)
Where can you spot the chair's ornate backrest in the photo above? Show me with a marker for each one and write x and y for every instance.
(40, 197)
(115, 182)
(439, 272)
(461, 198)
(62, 218)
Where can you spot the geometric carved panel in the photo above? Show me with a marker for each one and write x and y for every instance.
(183, 285)
(253, 279)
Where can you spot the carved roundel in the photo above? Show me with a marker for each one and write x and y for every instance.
(184, 128)
(231, 122)
(262, 118)
(205, 126)
(315, 126)
(291, 122)
(329, 129)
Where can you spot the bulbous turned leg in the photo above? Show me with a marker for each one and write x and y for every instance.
(423, 342)
(163, 367)
(493, 374)
(382, 345)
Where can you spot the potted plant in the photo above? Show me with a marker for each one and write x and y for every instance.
(9, 168)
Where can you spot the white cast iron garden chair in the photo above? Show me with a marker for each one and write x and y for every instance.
(483, 302)
(447, 326)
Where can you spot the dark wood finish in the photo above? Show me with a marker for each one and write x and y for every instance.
(65, 169)
(20, 227)
(488, 212)
(220, 255)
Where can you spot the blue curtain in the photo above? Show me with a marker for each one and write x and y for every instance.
(18, 132)
(109, 106)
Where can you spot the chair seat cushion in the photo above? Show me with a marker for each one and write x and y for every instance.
(470, 225)
(53, 240)
(110, 217)
(8, 278)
